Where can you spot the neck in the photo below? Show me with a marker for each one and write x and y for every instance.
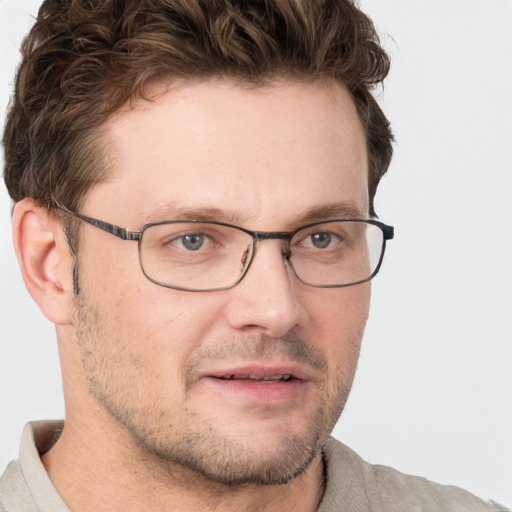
(91, 474)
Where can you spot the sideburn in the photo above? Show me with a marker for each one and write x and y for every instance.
(72, 230)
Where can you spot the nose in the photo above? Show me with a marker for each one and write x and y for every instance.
(266, 301)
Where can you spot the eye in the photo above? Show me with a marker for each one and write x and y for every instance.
(321, 239)
(191, 241)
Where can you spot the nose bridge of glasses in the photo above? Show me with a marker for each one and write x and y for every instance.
(276, 235)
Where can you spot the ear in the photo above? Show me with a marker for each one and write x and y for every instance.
(44, 258)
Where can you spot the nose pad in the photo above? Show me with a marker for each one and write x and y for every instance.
(245, 258)
(250, 253)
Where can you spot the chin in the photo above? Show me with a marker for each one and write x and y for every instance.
(237, 459)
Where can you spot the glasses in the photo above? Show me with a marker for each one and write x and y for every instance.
(197, 256)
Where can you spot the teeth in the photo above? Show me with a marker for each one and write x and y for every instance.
(273, 377)
(267, 378)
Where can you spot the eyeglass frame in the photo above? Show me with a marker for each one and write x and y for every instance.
(388, 233)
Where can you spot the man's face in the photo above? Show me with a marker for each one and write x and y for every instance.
(154, 357)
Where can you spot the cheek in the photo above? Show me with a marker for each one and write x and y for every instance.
(144, 336)
(163, 326)
(142, 311)
(337, 321)
(339, 313)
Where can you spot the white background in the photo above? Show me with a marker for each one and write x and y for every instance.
(433, 395)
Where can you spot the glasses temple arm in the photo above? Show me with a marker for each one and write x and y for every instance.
(122, 233)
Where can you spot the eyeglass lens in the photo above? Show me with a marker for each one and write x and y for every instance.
(208, 256)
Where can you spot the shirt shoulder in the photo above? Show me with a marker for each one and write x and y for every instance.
(353, 485)
(26, 486)
(15, 495)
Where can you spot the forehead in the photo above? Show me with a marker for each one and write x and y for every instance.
(252, 152)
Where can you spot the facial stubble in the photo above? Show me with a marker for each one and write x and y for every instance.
(127, 390)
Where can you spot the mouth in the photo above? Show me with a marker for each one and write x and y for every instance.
(261, 384)
(267, 379)
(270, 373)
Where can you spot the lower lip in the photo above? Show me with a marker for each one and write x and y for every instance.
(258, 391)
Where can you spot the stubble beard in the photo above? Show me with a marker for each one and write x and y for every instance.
(202, 449)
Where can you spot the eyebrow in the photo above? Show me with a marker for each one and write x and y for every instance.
(349, 210)
(170, 211)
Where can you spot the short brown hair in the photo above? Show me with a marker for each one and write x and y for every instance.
(85, 59)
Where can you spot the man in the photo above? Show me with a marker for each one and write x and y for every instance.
(205, 366)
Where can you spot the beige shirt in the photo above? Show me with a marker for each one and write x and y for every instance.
(353, 485)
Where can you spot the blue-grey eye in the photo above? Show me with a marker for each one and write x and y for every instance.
(192, 242)
(321, 240)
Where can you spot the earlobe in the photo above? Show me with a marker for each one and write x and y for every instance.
(44, 259)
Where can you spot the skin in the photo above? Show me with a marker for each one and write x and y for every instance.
(147, 426)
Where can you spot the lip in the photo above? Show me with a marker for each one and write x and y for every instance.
(261, 371)
(260, 383)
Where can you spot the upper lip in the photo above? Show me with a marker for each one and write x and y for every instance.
(262, 371)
